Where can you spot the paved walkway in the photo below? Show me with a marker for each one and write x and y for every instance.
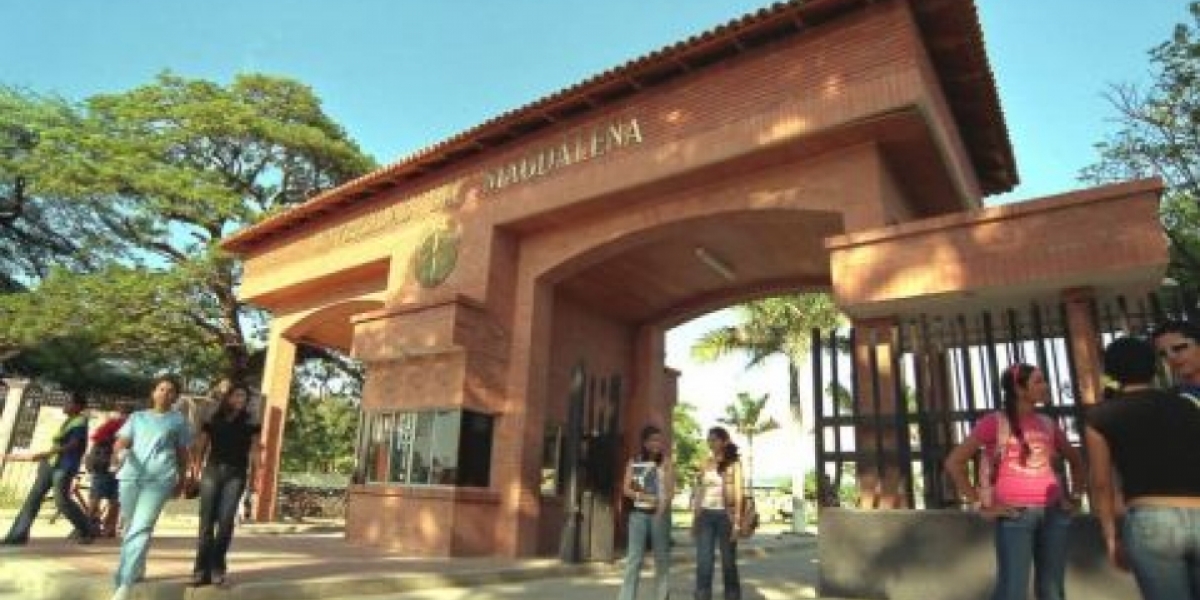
(270, 562)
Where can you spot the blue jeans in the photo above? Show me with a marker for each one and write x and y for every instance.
(645, 526)
(49, 478)
(1036, 537)
(220, 494)
(1163, 545)
(104, 487)
(141, 503)
(714, 530)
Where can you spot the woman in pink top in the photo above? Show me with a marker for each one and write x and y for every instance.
(1031, 509)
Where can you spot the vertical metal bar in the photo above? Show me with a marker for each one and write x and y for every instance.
(900, 416)
(993, 361)
(876, 402)
(569, 547)
(1014, 337)
(822, 422)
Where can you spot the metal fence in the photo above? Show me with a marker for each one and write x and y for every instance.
(942, 372)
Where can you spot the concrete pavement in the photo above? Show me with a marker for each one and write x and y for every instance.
(273, 561)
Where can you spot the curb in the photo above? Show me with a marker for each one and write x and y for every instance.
(45, 579)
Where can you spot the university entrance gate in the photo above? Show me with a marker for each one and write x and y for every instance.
(833, 145)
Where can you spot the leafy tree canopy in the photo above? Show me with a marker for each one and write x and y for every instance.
(164, 171)
(1157, 134)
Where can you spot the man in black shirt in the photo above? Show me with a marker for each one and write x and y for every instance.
(1151, 438)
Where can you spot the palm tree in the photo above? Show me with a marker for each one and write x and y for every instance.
(745, 417)
(781, 325)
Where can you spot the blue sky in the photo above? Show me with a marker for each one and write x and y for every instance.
(401, 75)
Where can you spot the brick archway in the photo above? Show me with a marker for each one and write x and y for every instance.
(741, 162)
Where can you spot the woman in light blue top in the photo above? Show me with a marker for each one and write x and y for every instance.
(154, 444)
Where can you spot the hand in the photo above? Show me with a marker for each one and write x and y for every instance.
(998, 511)
(1116, 554)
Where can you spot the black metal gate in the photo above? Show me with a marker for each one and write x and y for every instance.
(942, 371)
(590, 466)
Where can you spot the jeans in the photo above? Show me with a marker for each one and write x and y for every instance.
(642, 526)
(49, 478)
(141, 503)
(714, 530)
(1036, 537)
(221, 489)
(1163, 546)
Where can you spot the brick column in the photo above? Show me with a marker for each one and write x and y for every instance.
(878, 466)
(1085, 343)
(276, 389)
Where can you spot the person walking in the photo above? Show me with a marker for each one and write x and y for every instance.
(57, 468)
(1151, 438)
(103, 498)
(649, 485)
(152, 447)
(226, 459)
(716, 506)
(1178, 342)
(1019, 487)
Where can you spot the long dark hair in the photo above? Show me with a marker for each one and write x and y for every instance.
(1013, 378)
(643, 453)
(731, 450)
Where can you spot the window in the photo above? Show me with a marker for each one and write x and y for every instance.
(435, 447)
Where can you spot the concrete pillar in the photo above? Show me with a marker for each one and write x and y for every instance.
(1086, 352)
(12, 407)
(276, 388)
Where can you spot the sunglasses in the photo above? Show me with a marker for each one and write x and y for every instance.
(1174, 349)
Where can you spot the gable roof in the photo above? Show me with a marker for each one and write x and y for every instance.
(950, 27)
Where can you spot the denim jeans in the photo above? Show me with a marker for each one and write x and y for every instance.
(645, 526)
(220, 494)
(141, 504)
(714, 530)
(49, 478)
(1163, 545)
(1036, 537)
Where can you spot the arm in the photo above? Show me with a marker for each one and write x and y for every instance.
(627, 487)
(255, 453)
(739, 496)
(1103, 494)
(200, 453)
(71, 443)
(666, 486)
(1078, 471)
(956, 468)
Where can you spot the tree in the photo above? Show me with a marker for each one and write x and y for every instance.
(170, 168)
(37, 230)
(745, 417)
(688, 442)
(775, 326)
(1158, 135)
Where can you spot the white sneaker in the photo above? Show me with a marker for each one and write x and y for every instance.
(122, 593)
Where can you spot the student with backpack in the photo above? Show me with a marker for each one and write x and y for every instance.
(100, 464)
(1019, 488)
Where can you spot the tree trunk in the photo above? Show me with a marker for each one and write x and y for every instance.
(798, 471)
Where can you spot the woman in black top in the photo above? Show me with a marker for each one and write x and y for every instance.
(1152, 439)
(226, 453)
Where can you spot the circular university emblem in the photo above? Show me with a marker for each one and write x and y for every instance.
(435, 258)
